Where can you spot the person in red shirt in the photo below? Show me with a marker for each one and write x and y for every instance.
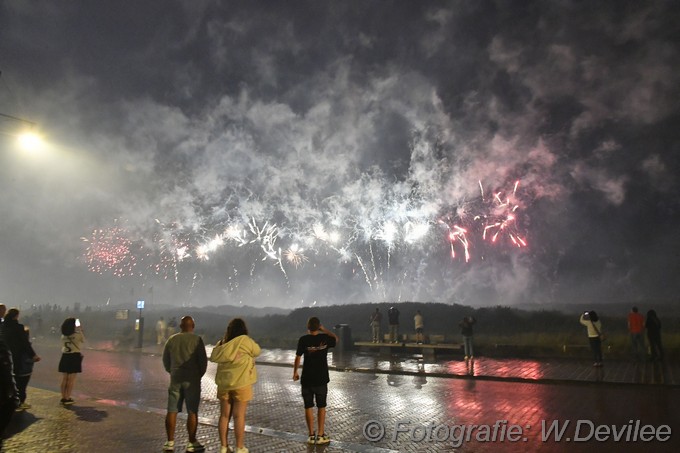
(636, 328)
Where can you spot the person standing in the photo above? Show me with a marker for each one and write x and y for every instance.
(71, 362)
(17, 338)
(653, 325)
(9, 395)
(3, 312)
(636, 328)
(235, 357)
(393, 318)
(172, 327)
(184, 357)
(467, 331)
(591, 320)
(419, 325)
(160, 331)
(374, 322)
(315, 377)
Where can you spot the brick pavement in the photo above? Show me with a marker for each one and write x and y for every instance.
(121, 400)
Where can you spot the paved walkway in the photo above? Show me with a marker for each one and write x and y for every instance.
(121, 399)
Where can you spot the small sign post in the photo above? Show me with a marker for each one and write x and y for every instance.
(139, 325)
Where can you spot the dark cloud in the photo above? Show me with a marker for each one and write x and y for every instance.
(221, 136)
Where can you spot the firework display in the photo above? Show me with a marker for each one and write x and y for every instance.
(110, 250)
(369, 241)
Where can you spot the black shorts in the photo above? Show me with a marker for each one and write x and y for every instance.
(319, 392)
(71, 363)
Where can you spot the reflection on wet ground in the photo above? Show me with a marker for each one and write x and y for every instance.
(370, 389)
(543, 369)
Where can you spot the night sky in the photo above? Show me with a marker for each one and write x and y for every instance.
(340, 151)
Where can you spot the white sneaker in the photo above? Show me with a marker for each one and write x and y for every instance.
(195, 446)
(241, 450)
(169, 446)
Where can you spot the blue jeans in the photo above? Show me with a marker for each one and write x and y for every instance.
(637, 342)
(596, 347)
(469, 350)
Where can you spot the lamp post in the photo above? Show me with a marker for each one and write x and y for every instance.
(28, 139)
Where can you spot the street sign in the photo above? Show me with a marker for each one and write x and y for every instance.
(122, 314)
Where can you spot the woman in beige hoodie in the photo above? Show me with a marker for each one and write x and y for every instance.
(235, 357)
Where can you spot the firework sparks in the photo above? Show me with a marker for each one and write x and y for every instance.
(502, 219)
(110, 250)
(295, 255)
(371, 239)
(203, 251)
(236, 234)
(414, 231)
(459, 234)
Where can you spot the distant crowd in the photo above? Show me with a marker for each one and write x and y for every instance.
(637, 326)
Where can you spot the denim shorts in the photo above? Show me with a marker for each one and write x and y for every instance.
(184, 392)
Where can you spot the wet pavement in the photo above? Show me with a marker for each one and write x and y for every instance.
(375, 405)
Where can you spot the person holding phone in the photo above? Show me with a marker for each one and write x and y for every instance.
(71, 362)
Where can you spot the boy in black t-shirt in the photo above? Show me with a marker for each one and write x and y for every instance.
(314, 346)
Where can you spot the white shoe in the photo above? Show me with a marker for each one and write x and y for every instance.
(195, 446)
(226, 449)
(242, 450)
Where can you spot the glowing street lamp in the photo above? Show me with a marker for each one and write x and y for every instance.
(31, 142)
(28, 139)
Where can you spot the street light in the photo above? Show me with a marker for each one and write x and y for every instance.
(28, 139)
(31, 142)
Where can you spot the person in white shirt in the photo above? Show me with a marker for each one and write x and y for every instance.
(418, 320)
(71, 362)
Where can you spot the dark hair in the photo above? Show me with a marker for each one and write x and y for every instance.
(236, 328)
(68, 327)
(12, 314)
(652, 314)
(635, 309)
(313, 324)
(593, 316)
